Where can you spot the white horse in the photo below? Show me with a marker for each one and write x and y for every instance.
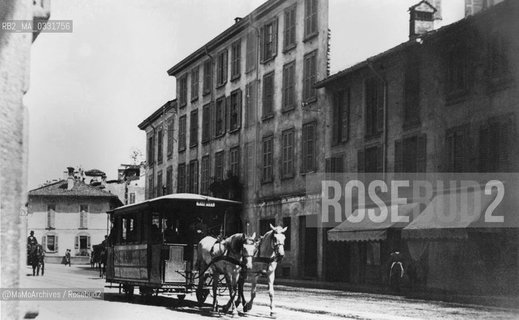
(227, 257)
(270, 251)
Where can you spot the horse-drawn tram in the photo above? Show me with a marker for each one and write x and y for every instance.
(153, 244)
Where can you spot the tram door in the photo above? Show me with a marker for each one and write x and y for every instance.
(308, 245)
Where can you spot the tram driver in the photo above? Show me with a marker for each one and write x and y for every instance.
(170, 233)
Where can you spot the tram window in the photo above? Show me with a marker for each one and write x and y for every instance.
(124, 233)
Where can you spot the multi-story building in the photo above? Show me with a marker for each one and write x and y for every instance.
(70, 214)
(129, 186)
(247, 110)
(445, 101)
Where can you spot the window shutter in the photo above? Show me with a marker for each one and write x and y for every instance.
(44, 242)
(345, 116)
(336, 117)
(314, 16)
(53, 219)
(360, 161)
(421, 153)
(227, 116)
(56, 242)
(262, 44)
(225, 65)
(379, 106)
(380, 159)
(88, 242)
(275, 38)
(505, 142)
(399, 156)
(328, 165)
(304, 149)
(239, 109)
(76, 242)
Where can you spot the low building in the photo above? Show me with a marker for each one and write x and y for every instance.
(129, 186)
(444, 101)
(69, 214)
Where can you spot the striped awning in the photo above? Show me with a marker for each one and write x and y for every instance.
(367, 230)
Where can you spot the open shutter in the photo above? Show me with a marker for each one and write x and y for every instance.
(44, 242)
(421, 153)
(76, 242)
(262, 44)
(56, 242)
(399, 156)
(345, 116)
(379, 106)
(380, 159)
(360, 160)
(53, 219)
(239, 109)
(88, 242)
(275, 38)
(227, 115)
(225, 65)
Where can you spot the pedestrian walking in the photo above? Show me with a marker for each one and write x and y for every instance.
(66, 258)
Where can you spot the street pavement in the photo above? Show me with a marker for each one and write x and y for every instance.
(291, 302)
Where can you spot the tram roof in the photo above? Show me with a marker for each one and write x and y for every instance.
(177, 197)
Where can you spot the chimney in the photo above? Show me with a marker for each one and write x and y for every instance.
(70, 178)
(237, 19)
(421, 19)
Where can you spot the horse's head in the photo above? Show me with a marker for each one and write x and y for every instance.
(249, 249)
(278, 241)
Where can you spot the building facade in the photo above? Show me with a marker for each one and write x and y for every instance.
(445, 101)
(69, 214)
(248, 112)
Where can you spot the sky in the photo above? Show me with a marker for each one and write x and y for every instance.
(89, 89)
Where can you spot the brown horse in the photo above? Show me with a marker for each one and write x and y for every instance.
(270, 251)
(227, 257)
(37, 259)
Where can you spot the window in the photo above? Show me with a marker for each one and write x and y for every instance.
(220, 117)
(287, 161)
(234, 161)
(457, 144)
(458, 65)
(289, 90)
(83, 219)
(374, 107)
(268, 95)
(497, 138)
(410, 154)
(50, 242)
(269, 40)
(132, 197)
(309, 77)
(290, 28)
(208, 77)
(160, 139)
(268, 159)
(309, 145)
(250, 103)
(151, 149)
(151, 186)
(182, 91)
(182, 133)
(288, 233)
(251, 52)
(206, 123)
(370, 159)
(171, 139)
(193, 176)
(341, 117)
(235, 59)
(218, 165)
(194, 83)
(193, 129)
(335, 164)
(206, 175)
(159, 184)
(82, 243)
(51, 216)
(221, 68)
(310, 18)
(235, 111)
(499, 51)
(181, 178)
(412, 91)
(169, 180)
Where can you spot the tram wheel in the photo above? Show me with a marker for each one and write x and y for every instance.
(201, 295)
(181, 297)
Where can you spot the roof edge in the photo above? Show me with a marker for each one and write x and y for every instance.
(159, 112)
